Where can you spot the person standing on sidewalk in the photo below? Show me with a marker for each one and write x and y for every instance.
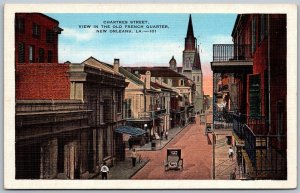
(104, 171)
(166, 135)
(133, 157)
(230, 153)
(233, 175)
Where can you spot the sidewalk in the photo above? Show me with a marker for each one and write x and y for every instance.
(160, 144)
(124, 169)
(223, 164)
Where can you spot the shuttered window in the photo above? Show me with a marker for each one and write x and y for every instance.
(254, 95)
(41, 55)
(21, 52)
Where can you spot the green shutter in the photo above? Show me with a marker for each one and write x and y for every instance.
(254, 95)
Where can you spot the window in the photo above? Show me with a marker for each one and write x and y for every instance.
(105, 142)
(181, 82)
(41, 55)
(198, 78)
(50, 56)
(119, 101)
(36, 30)
(107, 116)
(128, 108)
(254, 95)
(20, 25)
(21, 52)
(253, 34)
(49, 36)
(263, 31)
(31, 53)
(194, 78)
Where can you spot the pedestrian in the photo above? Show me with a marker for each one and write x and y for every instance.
(104, 171)
(130, 142)
(166, 135)
(232, 175)
(230, 153)
(133, 157)
(161, 135)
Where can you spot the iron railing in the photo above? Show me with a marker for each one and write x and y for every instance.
(267, 153)
(231, 52)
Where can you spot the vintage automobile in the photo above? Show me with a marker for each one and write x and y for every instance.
(174, 160)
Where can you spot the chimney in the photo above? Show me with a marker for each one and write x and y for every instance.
(148, 79)
(116, 65)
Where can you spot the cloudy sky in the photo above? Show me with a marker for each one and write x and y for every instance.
(146, 48)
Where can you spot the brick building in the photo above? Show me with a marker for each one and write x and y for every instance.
(62, 129)
(48, 124)
(36, 38)
(258, 66)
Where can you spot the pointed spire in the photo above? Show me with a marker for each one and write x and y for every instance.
(190, 31)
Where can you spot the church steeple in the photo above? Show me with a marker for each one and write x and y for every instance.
(190, 38)
(190, 31)
(197, 61)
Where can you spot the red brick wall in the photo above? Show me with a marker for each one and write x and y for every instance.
(42, 81)
(26, 37)
(278, 66)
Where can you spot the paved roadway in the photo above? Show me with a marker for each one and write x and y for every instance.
(196, 154)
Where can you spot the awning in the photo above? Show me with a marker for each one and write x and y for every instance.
(134, 131)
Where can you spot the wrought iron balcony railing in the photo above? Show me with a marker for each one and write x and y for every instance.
(231, 52)
(267, 153)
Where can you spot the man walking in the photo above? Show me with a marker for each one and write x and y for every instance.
(133, 157)
(104, 171)
(230, 153)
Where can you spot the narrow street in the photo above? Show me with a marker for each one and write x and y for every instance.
(196, 154)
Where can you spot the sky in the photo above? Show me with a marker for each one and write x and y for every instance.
(152, 41)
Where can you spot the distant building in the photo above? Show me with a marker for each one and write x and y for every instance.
(191, 66)
(180, 100)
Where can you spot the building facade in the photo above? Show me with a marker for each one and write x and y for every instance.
(48, 125)
(66, 114)
(36, 38)
(257, 63)
(102, 87)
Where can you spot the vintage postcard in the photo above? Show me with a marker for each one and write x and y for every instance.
(150, 96)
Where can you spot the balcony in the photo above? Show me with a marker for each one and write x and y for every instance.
(231, 52)
(231, 57)
(264, 154)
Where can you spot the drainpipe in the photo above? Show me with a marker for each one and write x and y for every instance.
(269, 75)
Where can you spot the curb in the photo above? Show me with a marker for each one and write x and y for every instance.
(138, 169)
(156, 149)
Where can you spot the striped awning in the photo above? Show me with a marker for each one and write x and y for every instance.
(134, 131)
